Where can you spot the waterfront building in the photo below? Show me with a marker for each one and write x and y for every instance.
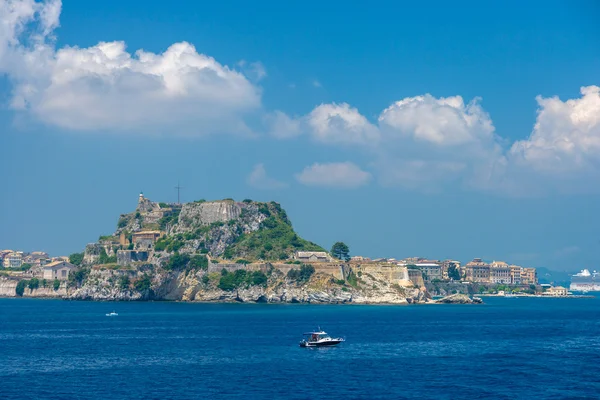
(515, 274)
(556, 291)
(500, 273)
(529, 276)
(432, 271)
(57, 270)
(477, 271)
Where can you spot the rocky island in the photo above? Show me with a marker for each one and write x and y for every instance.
(216, 251)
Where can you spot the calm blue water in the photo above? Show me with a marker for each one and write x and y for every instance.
(507, 348)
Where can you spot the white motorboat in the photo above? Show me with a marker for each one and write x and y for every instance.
(112, 314)
(319, 339)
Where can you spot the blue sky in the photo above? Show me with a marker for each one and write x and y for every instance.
(437, 129)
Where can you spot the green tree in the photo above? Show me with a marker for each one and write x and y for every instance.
(257, 278)
(454, 272)
(34, 283)
(76, 258)
(177, 262)
(231, 281)
(20, 289)
(340, 251)
(56, 284)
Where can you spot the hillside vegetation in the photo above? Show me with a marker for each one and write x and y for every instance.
(274, 240)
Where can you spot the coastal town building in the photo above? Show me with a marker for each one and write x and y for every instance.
(556, 291)
(36, 258)
(500, 273)
(477, 271)
(313, 256)
(57, 270)
(515, 274)
(528, 276)
(360, 259)
(13, 260)
(432, 271)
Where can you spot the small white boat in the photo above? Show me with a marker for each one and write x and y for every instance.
(112, 314)
(319, 339)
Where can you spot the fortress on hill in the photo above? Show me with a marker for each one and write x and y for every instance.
(219, 229)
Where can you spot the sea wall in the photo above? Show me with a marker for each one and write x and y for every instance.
(8, 288)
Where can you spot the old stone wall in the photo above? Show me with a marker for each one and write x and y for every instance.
(389, 272)
(8, 288)
(416, 277)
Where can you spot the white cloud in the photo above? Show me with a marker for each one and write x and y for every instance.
(443, 122)
(259, 179)
(337, 175)
(419, 142)
(340, 124)
(566, 136)
(430, 144)
(316, 83)
(104, 87)
(281, 126)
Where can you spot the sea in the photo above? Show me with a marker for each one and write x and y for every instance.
(507, 348)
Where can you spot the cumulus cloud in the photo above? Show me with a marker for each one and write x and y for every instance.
(428, 143)
(566, 136)
(104, 87)
(446, 121)
(340, 124)
(344, 175)
(259, 179)
(326, 123)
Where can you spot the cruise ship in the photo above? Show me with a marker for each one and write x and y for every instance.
(585, 281)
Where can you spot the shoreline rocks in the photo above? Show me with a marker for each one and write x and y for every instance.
(459, 298)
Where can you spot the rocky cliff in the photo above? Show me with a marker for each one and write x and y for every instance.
(249, 283)
(221, 251)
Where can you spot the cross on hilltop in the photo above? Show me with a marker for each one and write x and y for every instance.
(178, 187)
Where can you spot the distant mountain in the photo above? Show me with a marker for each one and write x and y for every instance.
(561, 278)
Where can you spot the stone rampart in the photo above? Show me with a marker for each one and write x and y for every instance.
(388, 272)
(8, 288)
(203, 214)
